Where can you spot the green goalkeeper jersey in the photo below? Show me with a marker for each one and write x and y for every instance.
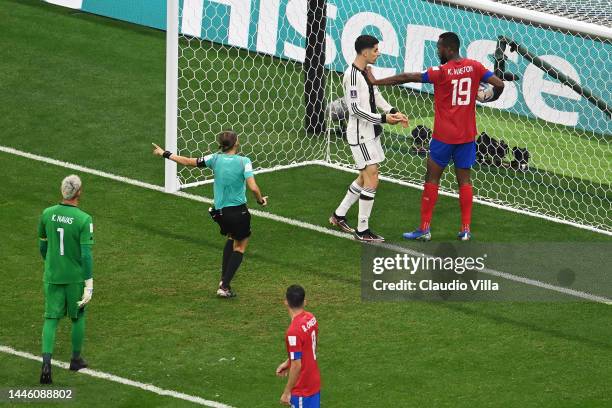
(66, 228)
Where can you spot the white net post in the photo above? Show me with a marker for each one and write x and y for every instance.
(171, 184)
(240, 65)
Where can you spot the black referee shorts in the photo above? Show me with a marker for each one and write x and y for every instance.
(235, 222)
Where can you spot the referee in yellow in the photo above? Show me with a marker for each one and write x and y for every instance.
(232, 173)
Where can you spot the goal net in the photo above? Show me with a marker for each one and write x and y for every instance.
(545, 145)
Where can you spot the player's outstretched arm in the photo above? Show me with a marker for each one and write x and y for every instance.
(261, 200)
(395, 79)
(185, 161)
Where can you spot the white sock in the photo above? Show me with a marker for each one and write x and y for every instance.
(366, 202)
(351, 197)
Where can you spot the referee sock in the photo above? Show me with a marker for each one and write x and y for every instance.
(428, 202)
(78, 334)
(48, 335)
(233, 264)
(366, 202)
(227, 252)
(351, 197)
(466, 197)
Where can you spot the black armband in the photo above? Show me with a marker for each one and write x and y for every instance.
(393, 110)
(167, 154)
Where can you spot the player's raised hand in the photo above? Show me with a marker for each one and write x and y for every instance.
(158, 151)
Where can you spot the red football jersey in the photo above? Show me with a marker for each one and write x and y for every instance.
(455, 90)
(301, 341)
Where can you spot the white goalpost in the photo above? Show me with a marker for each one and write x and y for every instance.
(271, 71)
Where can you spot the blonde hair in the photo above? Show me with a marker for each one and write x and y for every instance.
(71, 186)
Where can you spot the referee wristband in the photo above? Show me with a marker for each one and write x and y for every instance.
(167, 154)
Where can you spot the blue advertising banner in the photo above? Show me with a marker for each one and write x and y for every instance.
(408, 30)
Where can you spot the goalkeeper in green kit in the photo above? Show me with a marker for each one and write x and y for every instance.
(66, 236)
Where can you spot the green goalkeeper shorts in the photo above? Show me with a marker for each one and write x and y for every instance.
(61, 300)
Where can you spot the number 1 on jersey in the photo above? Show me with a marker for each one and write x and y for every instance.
(61, 234)
(314, 344)
(461, 91)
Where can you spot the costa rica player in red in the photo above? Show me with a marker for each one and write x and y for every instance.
(304, 381)
(456, 82)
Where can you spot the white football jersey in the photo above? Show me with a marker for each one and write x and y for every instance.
(362, 99)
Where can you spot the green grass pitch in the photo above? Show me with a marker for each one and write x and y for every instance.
(90, 91)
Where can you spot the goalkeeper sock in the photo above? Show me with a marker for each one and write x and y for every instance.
(351, 197)
(48, 335)
(232, 266)
(227, 252)
(366, 202)
(78, 334)
(428, 202)
(466, 198)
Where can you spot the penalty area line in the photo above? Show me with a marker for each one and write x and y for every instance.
(301, 224)
(125, 381)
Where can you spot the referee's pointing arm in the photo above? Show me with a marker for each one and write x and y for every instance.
(193, 162)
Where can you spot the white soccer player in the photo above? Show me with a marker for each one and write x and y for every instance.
(363, 135)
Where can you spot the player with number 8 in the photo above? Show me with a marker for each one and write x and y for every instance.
(304, 380)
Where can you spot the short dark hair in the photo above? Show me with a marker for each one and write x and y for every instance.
(227, 139)
(450, 40)
(295, 296)
(365, 41)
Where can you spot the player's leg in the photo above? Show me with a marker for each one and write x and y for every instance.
(227, 252)
(55, 308)
(366, 198)
(239, 227)
(373, 153)
(338, 218)
(78, 336)
(464, 158)
(233, 263)
(439, 157)
(48, 341)
(74, 292)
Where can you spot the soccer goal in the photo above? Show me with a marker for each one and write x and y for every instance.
(271, 70)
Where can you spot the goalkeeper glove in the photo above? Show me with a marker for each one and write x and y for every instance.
(87, 293)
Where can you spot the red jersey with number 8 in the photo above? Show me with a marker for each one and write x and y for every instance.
(301, 342)
(455, 90)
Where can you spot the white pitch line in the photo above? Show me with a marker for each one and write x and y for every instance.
(302, 224)
(110, 377)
